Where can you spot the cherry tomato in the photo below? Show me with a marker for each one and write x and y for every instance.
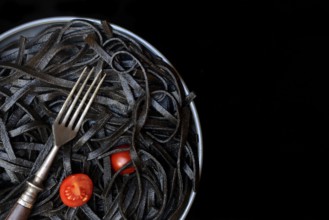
(76, 190)
(120, 159)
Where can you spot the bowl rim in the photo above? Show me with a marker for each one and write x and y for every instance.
(6, 36)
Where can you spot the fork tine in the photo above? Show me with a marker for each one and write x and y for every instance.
(77, 111)
(76, 128)
(69, 111)
(64, 106)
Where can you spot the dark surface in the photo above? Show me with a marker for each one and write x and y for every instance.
(260, 75)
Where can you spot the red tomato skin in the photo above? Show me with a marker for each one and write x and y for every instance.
(120, 159)
(76, 190)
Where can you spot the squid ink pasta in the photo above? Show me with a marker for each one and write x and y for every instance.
(141, 104)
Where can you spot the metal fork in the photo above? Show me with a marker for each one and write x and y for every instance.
(65, 128)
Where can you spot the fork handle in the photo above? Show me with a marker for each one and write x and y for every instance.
(22, 208)
(19, 212)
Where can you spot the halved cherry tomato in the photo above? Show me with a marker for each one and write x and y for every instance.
(120, 159)
(76, 190)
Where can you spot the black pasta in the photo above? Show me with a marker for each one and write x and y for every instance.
(141, 103)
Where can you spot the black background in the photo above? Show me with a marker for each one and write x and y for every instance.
(260, 74)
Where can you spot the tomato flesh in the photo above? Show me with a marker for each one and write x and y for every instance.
(76, 190)
(120, 159)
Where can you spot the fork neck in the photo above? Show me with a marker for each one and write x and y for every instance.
(42, 173)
